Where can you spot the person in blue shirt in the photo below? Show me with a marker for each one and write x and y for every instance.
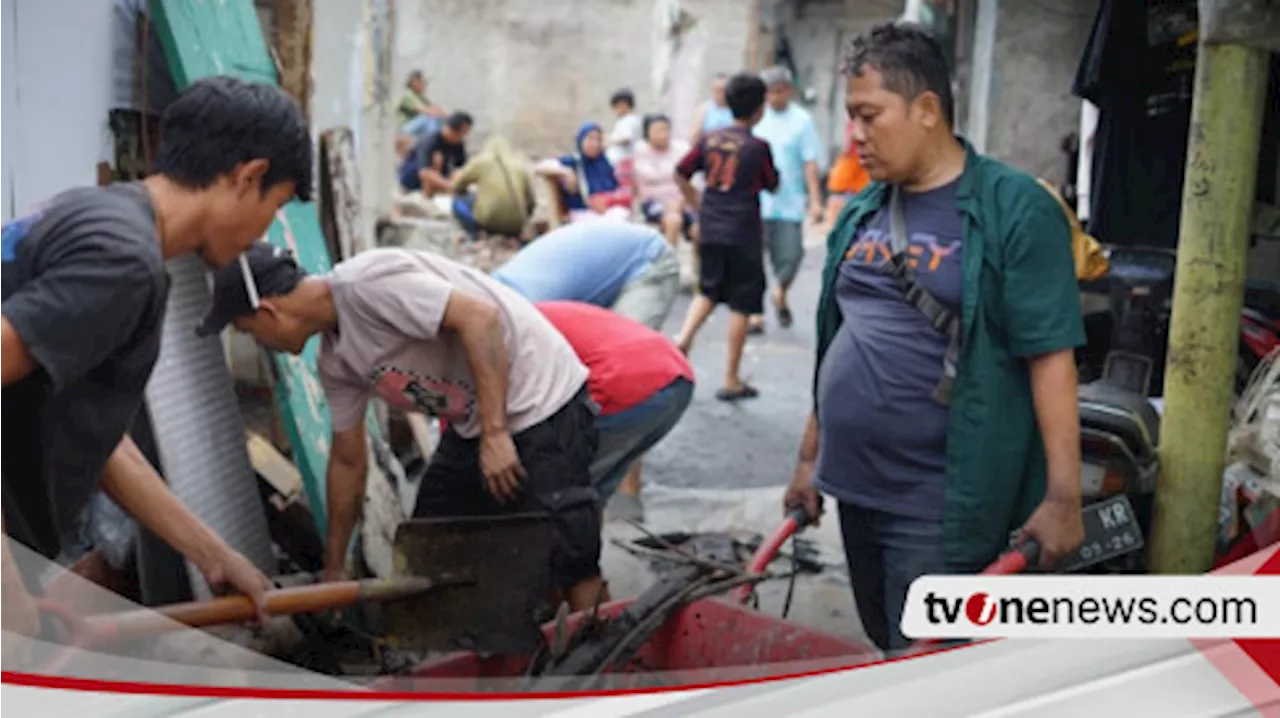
(714, 114)
(797, 155)
(629, 268)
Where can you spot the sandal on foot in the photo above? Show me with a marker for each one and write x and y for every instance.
(746, 391)
(784, 317)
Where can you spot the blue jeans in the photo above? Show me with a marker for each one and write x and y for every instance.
(464, 212)
(627, 435)
(886, 552)
(421, 126)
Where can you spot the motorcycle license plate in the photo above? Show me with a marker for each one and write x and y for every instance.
(1110, 529)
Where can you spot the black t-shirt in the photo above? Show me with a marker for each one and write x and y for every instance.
(84, 287)
(738, 167)
(452, 156)
(1138, 68)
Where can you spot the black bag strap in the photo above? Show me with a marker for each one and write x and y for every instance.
(943, 320)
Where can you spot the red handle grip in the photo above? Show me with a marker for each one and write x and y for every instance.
(797, 519)
(1014, 560)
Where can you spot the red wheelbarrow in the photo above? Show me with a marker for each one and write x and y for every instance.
(695, 618)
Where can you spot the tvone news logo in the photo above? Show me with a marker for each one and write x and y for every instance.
(981, 609)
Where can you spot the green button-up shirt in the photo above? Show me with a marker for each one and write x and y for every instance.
(1020, 300)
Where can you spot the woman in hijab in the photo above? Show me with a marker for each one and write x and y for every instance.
(589, 189)
(504, 200)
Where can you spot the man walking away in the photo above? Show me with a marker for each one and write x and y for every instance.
(643, 385)
(625, 267)
(430, 335)
(945, 383)
(85, 290)
(432, 165)
(737, 166)
(797, 153)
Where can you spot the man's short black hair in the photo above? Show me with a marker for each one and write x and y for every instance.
(459, 121)
(651, 120)
(625, 96)
(909, 58)
(414, 76)
(744, 94)
(220, 122)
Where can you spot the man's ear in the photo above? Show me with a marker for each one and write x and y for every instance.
(270, 306)
(249, 175)
(930, 108)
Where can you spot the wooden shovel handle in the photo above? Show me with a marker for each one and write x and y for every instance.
(238, 609)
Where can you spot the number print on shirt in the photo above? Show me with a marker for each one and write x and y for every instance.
(722, 163)
(722, 171)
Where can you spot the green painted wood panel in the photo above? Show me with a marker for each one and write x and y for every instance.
(215, 37)
(212, 37)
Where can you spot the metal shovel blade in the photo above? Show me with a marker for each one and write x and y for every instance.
(507, 559)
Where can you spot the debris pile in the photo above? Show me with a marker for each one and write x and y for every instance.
(1251, 483)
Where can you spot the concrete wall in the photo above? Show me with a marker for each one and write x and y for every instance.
(535, 71)
(1038, 46)
(350, 89)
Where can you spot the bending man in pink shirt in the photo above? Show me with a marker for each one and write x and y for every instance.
(643, 385)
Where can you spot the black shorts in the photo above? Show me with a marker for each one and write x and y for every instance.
(556, 455)
(733, 275)
(655, 210)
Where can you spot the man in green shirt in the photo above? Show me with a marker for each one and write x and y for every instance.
(944, 421)
(418, 117)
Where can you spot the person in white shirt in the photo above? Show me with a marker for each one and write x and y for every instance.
(656, 158)
(625, 134)
(428, 335)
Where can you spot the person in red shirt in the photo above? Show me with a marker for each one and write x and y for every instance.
(643, 385)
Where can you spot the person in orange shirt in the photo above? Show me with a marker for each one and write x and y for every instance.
(846, 179)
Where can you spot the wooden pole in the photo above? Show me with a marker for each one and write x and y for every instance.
(1217, 203)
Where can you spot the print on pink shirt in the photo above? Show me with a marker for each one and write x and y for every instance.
(408, 390)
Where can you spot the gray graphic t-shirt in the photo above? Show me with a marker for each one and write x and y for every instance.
(883, 438)
(390, 343)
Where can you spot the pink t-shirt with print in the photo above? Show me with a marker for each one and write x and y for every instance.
(655, 171)
(389, 342)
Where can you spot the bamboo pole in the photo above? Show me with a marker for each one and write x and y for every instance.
(1217, 199)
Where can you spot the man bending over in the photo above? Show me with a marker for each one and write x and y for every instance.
(430, 335)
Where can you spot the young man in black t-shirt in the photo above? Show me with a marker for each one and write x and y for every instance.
(737, 167)
(434, 161)
(84, 294)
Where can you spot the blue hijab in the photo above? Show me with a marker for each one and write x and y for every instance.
(597, 173)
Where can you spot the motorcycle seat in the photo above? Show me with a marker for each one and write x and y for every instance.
(1129, 416)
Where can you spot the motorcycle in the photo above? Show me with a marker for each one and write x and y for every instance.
(1125, 359)
(1119, 433)
(1128, 342)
